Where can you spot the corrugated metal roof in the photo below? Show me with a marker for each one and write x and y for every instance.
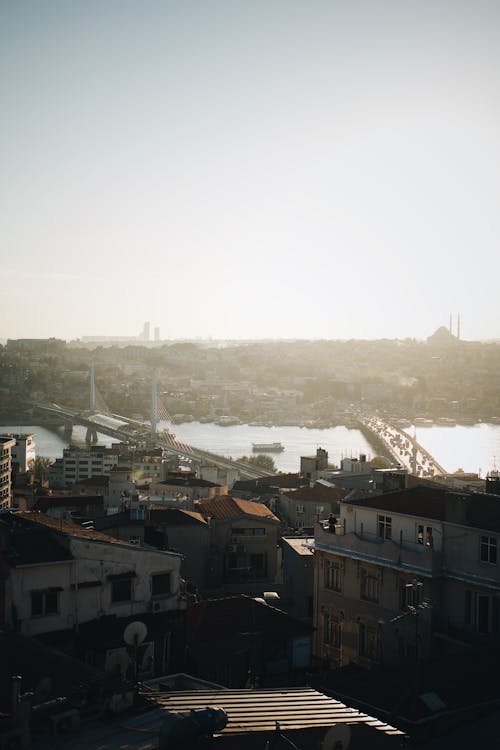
(259, 710)
(249, 711)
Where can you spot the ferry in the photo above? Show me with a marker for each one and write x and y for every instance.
(226, 421)
(268, 447)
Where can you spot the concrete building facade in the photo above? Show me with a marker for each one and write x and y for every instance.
(407, 573)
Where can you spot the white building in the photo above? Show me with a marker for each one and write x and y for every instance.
(62, 577)
(83, 463)
(7, 442)
(24, 451)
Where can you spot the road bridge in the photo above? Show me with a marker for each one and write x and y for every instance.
(135, 432)
(404, 449)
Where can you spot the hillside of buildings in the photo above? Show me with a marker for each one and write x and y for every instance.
(280, 382)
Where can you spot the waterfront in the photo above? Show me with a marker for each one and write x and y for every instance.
(471, 448)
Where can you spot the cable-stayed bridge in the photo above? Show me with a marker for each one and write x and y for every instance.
(99, 419)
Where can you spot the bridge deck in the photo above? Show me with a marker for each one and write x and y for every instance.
(403, 447)
(129, 430)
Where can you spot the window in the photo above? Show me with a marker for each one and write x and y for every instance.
(121, 590)
(299, 508)
(333, 575)
(258, 564)
(384, 527)
(368, 641)
(488, 550)
(332, 631)
(369, 586)
(424, 533)
(411, 594)
(160, 584)
(44, 603)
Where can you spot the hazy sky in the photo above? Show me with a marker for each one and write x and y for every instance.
(249, 169)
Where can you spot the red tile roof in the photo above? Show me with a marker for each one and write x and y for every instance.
(69, 529)
(226, 506)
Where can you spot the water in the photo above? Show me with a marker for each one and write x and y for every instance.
(49, 443)
(468, 448)
(473, 449)
(236, 441)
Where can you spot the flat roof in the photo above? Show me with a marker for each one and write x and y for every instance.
(298, 544)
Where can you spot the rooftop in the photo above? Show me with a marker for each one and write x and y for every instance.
(298, 544)
(252, 717)
(217, 618)
(66, 529)
(476, 509)
(225, 506)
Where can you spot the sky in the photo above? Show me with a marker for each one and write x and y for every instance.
(249, 168)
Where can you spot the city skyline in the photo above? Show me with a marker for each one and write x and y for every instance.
(249, 171)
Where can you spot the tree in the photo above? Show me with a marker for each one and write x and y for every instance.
(261, 460)
(39, 467)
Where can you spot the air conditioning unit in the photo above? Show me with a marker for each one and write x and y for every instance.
(15, 739)
(66, 722)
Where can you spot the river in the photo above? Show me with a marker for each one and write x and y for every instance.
(471, 448)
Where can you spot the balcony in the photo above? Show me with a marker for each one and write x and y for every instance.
(401, 554)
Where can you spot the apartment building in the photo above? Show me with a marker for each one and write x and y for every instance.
(24, 451)
(7, 443)
(59, 578)
(84, 463)
(407, 573)
(243, 545)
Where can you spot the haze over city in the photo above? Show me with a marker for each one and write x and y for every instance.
(249, 170)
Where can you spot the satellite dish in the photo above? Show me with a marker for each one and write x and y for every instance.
(135, 633)
(338, 737)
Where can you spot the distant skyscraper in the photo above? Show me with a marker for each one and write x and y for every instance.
(145, 331)
(157, 333)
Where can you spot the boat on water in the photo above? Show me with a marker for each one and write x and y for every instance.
(268, 447)
(226, 421)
